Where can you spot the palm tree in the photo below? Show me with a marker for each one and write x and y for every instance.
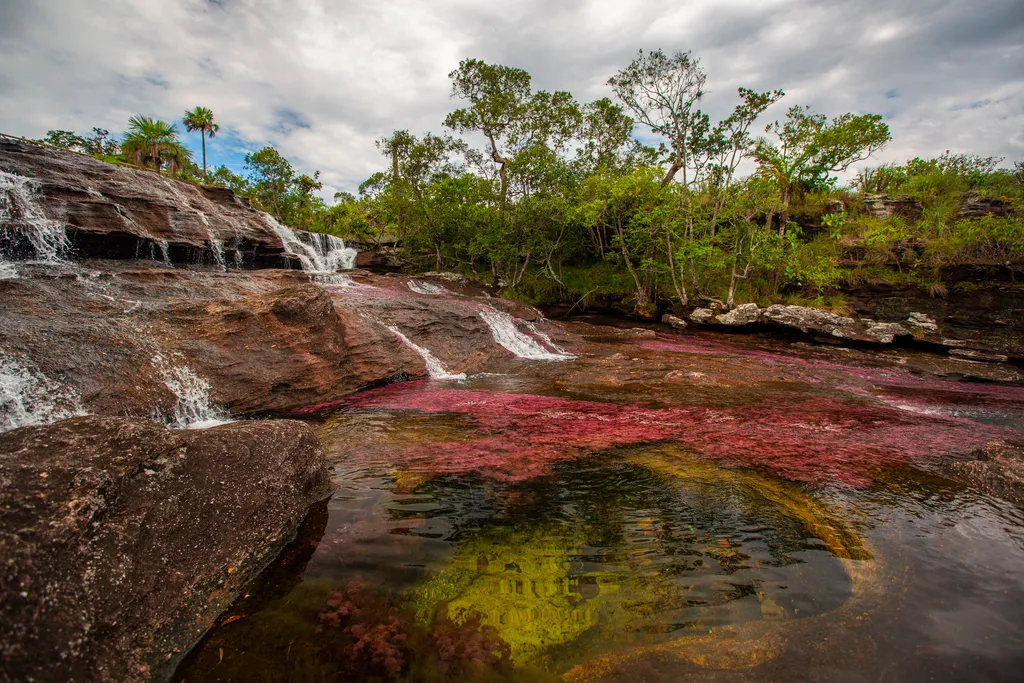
(201, 119)
(154, 142)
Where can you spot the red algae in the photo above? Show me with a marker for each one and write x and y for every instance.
(817, 441)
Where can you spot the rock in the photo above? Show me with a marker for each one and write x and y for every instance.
(833, 206)
(122, 540)
(997, 469)
(744, 314)
(674, 321)
(972, 354)
(121, 212)
(813, 320)
(973, 205)
(923, 322)
(702, 316)
(645, 312)
(883, 206)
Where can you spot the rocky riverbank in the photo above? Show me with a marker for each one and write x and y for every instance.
(149, 328)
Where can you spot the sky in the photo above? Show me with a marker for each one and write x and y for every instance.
(321, 79)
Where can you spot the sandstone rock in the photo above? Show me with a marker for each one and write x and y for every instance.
(996, 469)
(116, 211)
(122, 541)
(813, 320)
(833, 206)
(923, 322)
(974, 205)
(972, 354)
(884, 206)
(702, 316)
(674, 321)
(744, 314)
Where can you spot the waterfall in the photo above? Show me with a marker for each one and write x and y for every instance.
(217, 247)
(20, 212)
(193, 409)
(434, 367)
(27, 397)
(505, 333)
(323, 254)
(420, 287)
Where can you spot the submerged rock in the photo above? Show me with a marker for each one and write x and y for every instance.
(122, 540)
(997, 469)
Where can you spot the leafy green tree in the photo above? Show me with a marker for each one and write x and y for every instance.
(201, 119)
(151, 142)
(270, 177)
(99, 144)
(810, 148)
(662, 92)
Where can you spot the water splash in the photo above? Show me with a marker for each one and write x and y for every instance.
(434, 367)
(505, 333)
(420, 287)
(322, 254)
(193, 409)
(20, 212)
(217, 247)
(28, 397)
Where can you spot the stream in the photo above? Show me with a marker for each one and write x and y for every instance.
(660, 507)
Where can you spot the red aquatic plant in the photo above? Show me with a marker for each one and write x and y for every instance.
(468, 646)
(818, 441)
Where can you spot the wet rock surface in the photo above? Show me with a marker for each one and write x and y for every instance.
(122, 541)
(996, 469)
(120, 212)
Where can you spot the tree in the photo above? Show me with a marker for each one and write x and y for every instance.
(661, 92)
(810, 148)
(271, 176)
(498, 96)
(151, 142)
(100, 144)
(201, 119)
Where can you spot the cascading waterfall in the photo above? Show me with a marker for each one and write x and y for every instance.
(28, 397)
(20, 212)
(217, 247)
(324, 254)
(506, 334)
(193, 409)
(434, 367)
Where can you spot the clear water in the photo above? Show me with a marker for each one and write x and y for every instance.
(603, 521)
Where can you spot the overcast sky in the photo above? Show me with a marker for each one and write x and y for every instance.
(322, 79)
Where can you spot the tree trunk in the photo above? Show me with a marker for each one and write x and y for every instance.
(202, 136)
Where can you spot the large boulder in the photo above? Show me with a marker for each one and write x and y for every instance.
(826, 323)
(744, 314)
(121, 541)
(121, 212)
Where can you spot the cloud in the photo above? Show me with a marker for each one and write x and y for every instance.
(322, 80)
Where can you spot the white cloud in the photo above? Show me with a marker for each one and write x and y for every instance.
(321, 80)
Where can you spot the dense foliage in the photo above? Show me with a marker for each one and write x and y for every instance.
(553, 199)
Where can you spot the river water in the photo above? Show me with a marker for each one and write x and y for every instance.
(659, 507)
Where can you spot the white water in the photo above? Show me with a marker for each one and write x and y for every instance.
(28, 397)
(323, 253)
(193, 409)
(217, 247)
(505, 333)
(420, 287)
(20, 211)
(434, 367)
